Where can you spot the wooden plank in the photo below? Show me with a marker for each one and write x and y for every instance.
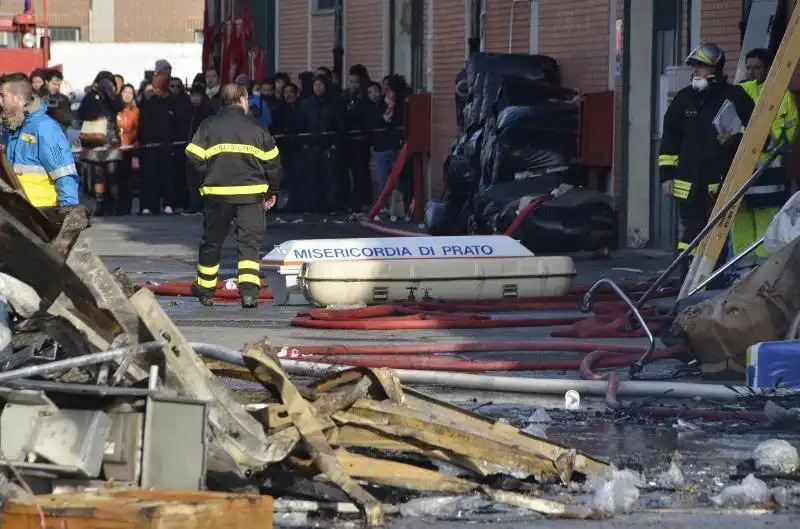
(142, 509)
(233, 431)
(747, 155)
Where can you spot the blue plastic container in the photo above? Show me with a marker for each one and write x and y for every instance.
(774, 364)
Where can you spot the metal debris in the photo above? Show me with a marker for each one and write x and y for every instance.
(80, 334)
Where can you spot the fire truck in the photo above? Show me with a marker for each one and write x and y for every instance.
(22, 49)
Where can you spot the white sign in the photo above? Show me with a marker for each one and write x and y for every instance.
(297, 252)
(572, 400)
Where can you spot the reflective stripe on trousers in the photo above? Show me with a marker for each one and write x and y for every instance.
(207, 276)
(777, 163)
(249, 272)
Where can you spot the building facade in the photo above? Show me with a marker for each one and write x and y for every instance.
(624, 46)
(117, 20)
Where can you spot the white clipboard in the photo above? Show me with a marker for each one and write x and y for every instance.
(727, 119)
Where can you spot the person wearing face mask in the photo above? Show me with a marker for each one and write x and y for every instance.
(696, 153)
(763, 200)
(259, 105)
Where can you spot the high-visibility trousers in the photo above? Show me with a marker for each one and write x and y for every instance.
(749, 225)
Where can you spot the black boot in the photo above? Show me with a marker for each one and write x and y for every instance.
(249, 295)
(249, 301)
(205, 297)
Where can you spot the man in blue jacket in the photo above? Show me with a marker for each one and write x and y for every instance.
(259, 108)
(36, 147)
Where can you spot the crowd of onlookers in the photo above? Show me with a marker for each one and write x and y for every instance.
(337, 143)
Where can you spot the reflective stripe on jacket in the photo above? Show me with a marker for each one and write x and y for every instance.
(235, 156)
(690, 154)
(771, 189)
(41, 156)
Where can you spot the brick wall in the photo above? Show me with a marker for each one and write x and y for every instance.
(322, 27)
(449, 37)
(60, 13)
(720, 23)
(364, 30)
(502, 30)
(575, 33)
(293, 37)
(140, 21)
(157, 21)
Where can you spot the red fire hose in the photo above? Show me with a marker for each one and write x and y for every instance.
(295, 353)
(367, 221)
(523, 214)
(419, 357)
(184, 289)
(383, 229)
(448, 316)
(604, 359)
(391, 183)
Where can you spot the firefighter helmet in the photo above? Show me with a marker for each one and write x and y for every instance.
(709, 54)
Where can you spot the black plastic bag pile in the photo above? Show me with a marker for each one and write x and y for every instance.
(518, 138)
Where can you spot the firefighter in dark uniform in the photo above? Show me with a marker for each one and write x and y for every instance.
(240, 171)
(695, 152)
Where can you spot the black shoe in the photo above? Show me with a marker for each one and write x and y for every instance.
(205, 297)
(249, 301)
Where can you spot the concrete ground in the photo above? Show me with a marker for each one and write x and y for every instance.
(165, 248)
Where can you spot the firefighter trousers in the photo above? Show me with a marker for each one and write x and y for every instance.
(249, 224)
(693, 218)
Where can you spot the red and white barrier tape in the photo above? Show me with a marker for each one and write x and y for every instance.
(136, 146)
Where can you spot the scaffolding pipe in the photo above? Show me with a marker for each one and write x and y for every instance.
(541, 386)
(79, 361)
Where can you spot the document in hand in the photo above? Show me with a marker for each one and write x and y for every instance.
(727, 119)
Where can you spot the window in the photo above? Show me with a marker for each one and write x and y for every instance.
(198, 35)
(61, 34)
(9, 39)
(324, 5)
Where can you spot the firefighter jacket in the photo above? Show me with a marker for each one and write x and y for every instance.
(690, 154)
(771, 187)
(235, 156)
(41, 156)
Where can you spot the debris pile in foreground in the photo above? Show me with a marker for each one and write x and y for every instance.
(109, 391)
(109, 413)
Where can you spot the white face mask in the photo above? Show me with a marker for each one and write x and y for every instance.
(256, 93)
(699, 83)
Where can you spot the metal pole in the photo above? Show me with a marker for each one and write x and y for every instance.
(727, 266)
(586, 306)
(705, 231)
(338, 42)
(80, 361)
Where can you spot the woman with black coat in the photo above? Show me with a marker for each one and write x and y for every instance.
(98, 114)
(323, 117)
(290, 146)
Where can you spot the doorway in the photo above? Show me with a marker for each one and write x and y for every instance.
(407, 41)
(667, 51)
